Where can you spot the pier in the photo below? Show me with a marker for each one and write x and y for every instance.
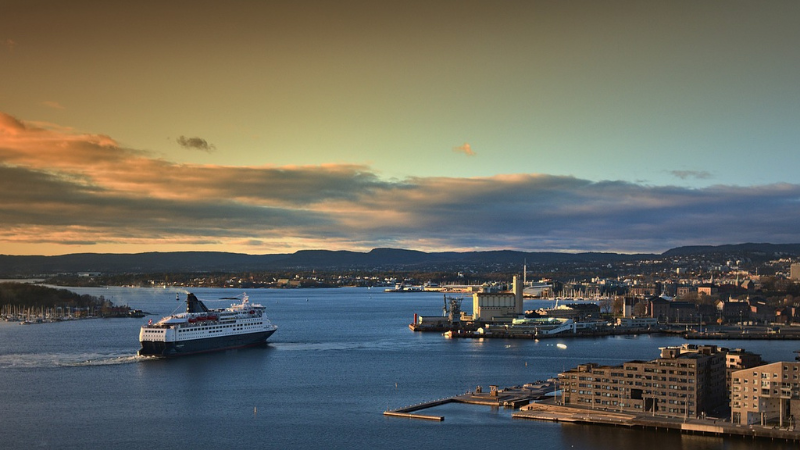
(512, 397)
(524, 398)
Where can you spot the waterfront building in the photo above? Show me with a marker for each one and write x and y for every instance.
(738, 359)
(766, 394)
(734, 310)
(672, 311)
(498, 306)
(686, 381)
(658, 308)
(682, 312)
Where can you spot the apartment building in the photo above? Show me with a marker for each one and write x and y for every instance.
(766, 394)
(686, 381)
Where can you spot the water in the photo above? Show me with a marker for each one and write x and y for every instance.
(340, 357)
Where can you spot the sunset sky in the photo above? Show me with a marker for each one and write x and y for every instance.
(275, 126)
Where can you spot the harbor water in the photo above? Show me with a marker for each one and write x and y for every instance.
(340, 358)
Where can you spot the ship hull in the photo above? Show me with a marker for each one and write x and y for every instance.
(207, 345)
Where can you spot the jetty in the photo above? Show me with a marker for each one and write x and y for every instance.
(534, 403)
(512, 397)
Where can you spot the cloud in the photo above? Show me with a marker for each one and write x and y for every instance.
(687, 174)
(195, 143)
(63, 189)
(10, 125)
(10, 44)
(465, 149)
(54, 105)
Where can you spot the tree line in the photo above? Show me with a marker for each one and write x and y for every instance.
(37, 296)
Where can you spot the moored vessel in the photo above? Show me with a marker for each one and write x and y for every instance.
(201, 330)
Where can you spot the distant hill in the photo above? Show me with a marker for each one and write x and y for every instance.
(377, 259)
(749, 249)
(139, 262)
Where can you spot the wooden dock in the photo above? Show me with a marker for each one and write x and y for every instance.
(408, 411)
(406, 415)
(512, 397)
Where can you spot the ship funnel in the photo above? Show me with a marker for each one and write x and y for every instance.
(193, 305)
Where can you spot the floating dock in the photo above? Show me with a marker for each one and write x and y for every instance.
(512, 397)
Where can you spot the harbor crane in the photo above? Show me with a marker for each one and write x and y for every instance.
(452, 309)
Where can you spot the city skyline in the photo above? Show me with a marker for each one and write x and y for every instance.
(271, 127)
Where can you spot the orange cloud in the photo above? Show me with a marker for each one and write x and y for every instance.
(465, 149)
(68, 190)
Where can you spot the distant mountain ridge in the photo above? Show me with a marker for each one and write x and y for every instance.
(790, 249)
(379, 258)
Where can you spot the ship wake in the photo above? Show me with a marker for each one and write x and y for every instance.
(46, 360)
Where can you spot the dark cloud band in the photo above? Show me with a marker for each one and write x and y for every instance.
(68, 189)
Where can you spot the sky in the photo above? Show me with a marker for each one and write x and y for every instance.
(274, 126)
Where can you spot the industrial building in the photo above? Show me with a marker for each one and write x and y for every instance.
(498, 306)
(489, 306)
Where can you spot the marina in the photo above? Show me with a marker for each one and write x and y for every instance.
(32, 316)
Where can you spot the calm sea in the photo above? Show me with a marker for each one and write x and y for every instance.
(340, 357)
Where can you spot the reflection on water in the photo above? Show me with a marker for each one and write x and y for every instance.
(614, 438)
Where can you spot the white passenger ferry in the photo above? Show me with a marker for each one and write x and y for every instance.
(200, 330)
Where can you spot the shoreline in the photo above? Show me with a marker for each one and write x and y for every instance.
(551, 412)
(790, 333)
(538, 404)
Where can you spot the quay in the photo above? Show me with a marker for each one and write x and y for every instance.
(533, 404)
(512, 397)
(785, 333)
(499, 333)
(553, 412)
(779, 333)
(497, 312)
